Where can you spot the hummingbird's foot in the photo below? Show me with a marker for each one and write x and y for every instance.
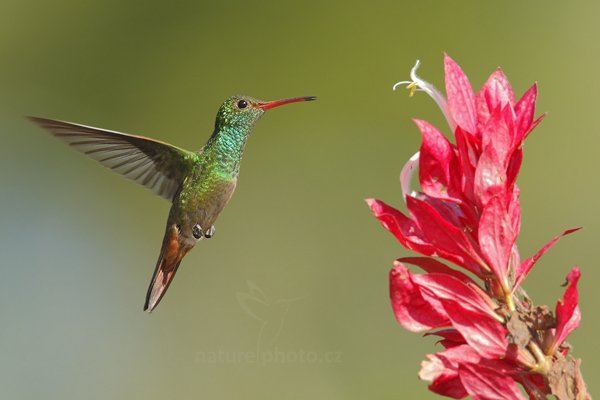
(197, 231)
(210, 232)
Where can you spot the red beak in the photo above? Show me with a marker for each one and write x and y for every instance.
(276, 103)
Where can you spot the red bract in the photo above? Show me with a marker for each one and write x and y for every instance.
(416, 310)
(460, 371)
(468, 214)
(484, 383)
(568, 315)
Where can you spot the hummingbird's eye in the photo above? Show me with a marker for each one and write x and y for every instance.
(242, 104)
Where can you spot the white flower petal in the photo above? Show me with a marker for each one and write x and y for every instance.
(406, 175)
(418, 84)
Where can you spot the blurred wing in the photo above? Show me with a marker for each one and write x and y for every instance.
(154, 164)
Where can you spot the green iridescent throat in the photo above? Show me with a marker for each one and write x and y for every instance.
(224, 150)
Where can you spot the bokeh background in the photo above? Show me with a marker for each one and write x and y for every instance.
(297, 271)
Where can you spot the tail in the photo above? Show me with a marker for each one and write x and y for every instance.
(174, 248)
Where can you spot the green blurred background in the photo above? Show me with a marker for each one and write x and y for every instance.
(79, 243)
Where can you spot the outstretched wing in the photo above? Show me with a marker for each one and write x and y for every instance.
(154, 164)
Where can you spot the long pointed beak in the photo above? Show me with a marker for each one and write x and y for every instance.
(276, 103)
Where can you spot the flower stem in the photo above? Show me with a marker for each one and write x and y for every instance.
(542, 366)
(510, 302)
(508, 294)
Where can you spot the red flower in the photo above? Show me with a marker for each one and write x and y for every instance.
(467, 212)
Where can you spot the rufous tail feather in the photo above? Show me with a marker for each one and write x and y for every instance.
(172, 252)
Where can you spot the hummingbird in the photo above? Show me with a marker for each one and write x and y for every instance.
(198, 184)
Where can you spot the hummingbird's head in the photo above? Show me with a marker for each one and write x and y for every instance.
(242, 112)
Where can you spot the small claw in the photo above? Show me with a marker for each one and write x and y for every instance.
(197, 231)
(210, 232)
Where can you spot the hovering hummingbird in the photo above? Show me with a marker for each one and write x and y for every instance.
(198, 184)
